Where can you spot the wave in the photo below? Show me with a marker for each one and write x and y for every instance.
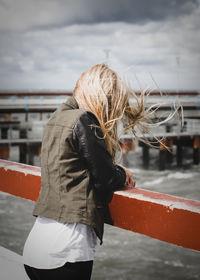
(180, 175)
(165, 177)
(154, 182)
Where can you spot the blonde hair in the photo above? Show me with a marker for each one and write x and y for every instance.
(104, 93)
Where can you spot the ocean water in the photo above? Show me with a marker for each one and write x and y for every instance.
(124, 255)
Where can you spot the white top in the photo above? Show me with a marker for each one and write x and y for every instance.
(51, 244)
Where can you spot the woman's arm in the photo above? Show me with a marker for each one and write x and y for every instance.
(90, 144)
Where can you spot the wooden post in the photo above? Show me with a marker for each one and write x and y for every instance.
(179, 153)
(163, 154)
(4, 151)
(29, 154)
(196, 146)
(145, 156)
(169, 152)
(22, 153)
(4, 133)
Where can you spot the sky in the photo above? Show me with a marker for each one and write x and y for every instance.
(47, 44)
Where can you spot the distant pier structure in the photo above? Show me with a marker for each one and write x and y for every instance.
(23, 116)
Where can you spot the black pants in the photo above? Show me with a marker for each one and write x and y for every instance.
(70, 271)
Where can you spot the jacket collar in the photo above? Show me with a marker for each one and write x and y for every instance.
(71, 103)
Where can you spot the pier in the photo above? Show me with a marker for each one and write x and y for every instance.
(23, 116)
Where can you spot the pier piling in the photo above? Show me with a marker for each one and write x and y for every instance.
(23, 153)
(145, 156)
(170, 150)
(163, 154)
(196, 146)
(179, 153)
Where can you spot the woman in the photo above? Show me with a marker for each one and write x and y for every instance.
(78, 171)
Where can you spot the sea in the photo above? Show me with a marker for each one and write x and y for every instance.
(124, 255)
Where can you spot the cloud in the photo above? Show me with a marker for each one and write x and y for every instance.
(44, 50)
(48, 14)
(54, 59)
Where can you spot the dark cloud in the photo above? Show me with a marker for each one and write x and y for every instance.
(136, 11)
(132, 11)
(47, 14)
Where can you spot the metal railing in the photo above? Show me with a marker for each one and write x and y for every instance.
(167, 218)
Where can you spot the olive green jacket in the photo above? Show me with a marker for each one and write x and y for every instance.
(73, 177)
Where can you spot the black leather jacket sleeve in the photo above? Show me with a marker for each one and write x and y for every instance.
(92, 148)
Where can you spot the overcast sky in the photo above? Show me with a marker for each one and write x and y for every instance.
(47, 44)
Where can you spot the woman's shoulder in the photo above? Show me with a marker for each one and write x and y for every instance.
(87, 117)
(88, 126)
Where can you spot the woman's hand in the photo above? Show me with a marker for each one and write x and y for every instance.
(130, 182)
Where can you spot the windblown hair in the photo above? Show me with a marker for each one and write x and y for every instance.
(104, 93)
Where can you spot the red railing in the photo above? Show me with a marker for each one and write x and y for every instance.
(171, 219)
